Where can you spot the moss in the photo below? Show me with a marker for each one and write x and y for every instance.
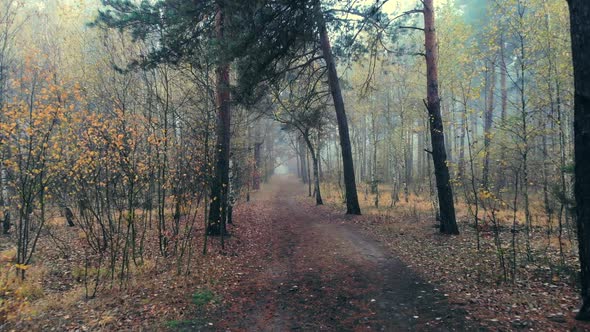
(202, 297)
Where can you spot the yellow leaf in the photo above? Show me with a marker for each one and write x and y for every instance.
(22, 266)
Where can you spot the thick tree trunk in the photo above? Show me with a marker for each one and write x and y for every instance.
(352, 203)
(219, 187)
(580, 31)
(448, 223)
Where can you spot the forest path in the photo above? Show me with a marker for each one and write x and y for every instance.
(323, 273)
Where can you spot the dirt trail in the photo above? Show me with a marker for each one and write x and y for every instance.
(323, 273)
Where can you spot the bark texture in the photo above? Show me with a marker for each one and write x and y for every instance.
(219, 187)
(448, 224)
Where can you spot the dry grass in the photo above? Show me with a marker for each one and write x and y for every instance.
(53, 294)
(155, 295)
(16, 295)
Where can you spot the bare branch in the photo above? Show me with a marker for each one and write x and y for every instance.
(410, 27)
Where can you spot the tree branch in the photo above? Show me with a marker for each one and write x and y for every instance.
(410, 27)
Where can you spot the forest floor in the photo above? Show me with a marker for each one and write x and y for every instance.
(292, 266)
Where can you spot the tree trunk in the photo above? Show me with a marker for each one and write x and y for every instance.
(219, 187)
(374, 180)
(580, 32)
(462, 133)
(257, 165)
(308, 172)
(422, 159)
(448, 223)
(303, 163)
(319, 154)
(363, 150)
(69, 216)
(231, 194)
(352, 204)
(269, 160)
(409, 160)
(299, 175)
(316, 173)
(6, 222)
(487, 125)
(504, 98)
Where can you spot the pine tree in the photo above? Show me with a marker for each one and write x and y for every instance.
(182, 31)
